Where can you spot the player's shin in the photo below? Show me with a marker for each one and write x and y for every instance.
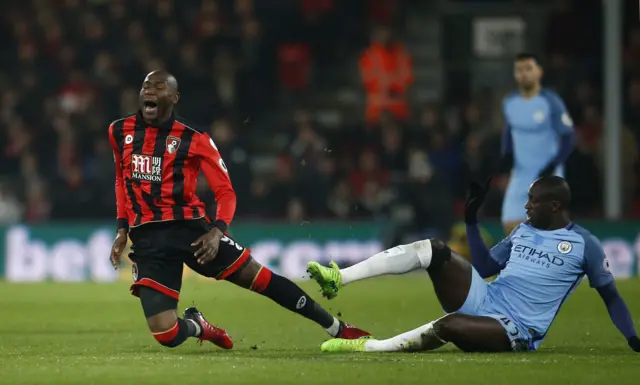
(420, 339)
(288, 295)
(159, 310)
(397, 260)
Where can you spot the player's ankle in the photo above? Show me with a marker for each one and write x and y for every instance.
(334, 329)
(195, 329)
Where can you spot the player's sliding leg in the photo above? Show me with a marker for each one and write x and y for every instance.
(235, 264)
(468, 333)
(396, 260)
(449, 272)
(459, 289)
(170, 330)
(257, 278)
(419, 339)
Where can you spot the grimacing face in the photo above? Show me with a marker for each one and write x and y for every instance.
(157, 97)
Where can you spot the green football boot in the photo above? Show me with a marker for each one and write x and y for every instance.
(329, 278)
(339, 345)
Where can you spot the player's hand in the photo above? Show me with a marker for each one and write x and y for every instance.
(634, 343)
(118, 247)
(209, 244)
(548, 171)
(475, 198)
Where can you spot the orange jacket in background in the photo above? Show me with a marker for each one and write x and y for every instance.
(386, 73)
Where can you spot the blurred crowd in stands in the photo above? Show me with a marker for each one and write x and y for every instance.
(252, 73)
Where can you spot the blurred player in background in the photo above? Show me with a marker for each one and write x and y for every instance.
(539, 264)
(158, 159)
(537, 139)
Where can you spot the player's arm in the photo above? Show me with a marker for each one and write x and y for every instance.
(120, 242)
(121, 207)
(563, 126)
(488, 262)
(215, 171)
(600, 278)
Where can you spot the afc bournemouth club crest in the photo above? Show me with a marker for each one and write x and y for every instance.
(172, 144)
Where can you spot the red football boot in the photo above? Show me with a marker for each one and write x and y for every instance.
(348, 332)
(217, 336)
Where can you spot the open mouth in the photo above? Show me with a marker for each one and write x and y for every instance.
(150, 106)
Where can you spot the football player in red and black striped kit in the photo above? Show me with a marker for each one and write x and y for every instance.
(158, 159)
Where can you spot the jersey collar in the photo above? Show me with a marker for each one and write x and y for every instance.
(167, 125)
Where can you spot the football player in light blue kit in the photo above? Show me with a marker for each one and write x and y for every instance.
(537, 139)
(539, 264)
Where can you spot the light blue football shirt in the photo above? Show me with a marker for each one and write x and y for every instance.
(540, 271)
(535, 125)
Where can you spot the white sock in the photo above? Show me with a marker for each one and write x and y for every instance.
(397, 260)
(334, 329)
(197, 326)
(422, 338)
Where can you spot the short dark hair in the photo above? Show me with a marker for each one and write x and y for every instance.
(527, 56)
(556, 188)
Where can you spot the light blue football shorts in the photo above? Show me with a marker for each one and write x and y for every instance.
(479, 302)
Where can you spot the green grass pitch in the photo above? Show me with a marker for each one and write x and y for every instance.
(96, 334)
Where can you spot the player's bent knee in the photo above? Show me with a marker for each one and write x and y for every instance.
(261, 280)
(441, 253)
(447, 328)
(437, 244)
(162, 321)
(254, 277)
(249, 276)
(422, 249)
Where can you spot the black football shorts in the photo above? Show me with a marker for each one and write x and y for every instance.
(160, 249)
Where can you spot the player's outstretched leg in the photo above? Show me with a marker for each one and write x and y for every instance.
(170, 330)
(468, 333)
(396, 260)
(449, 272)
(287, 294)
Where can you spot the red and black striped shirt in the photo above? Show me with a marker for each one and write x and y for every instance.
(157, 170)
